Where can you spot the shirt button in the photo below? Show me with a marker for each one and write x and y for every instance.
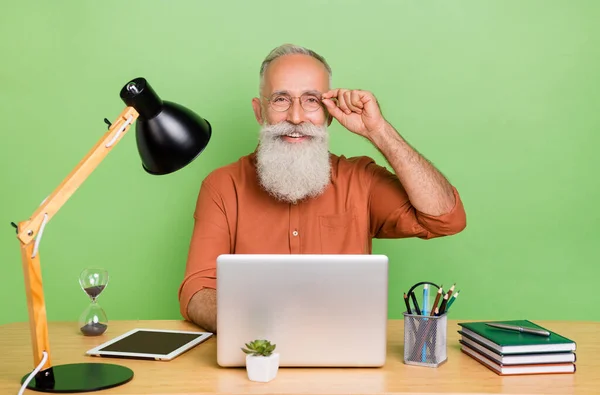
(295, 233)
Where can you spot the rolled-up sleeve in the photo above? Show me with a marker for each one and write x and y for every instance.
(446, 224)
(210, 238)
(393, 216)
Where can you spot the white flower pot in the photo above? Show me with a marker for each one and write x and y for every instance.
(262, 369)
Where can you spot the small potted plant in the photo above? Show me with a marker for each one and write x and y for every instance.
(261, 363)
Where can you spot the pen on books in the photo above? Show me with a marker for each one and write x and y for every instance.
(533, 331)
(407, 304)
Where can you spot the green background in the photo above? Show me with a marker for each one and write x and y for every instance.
(502, 96)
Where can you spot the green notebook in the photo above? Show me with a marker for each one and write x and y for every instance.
(510, 342)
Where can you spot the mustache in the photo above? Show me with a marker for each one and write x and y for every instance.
(284, 128)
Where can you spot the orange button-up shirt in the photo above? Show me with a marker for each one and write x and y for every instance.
(234, 215)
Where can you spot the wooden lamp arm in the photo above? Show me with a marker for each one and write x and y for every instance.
(27, 231)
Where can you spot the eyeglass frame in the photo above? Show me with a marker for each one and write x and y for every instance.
(316, 94)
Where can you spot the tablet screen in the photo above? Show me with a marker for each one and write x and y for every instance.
(150, 342)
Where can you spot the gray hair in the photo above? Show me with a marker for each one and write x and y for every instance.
(289, 49)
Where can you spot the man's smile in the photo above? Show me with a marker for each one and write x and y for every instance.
(294, 137)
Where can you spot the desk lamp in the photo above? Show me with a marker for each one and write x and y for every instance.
(169, 137)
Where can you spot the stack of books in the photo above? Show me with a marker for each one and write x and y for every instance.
(509, 352)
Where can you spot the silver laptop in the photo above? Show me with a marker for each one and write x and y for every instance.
(319, 310)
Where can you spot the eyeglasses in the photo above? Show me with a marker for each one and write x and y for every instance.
(282, 102)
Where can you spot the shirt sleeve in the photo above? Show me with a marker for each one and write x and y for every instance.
(393, 216)
(210, 238)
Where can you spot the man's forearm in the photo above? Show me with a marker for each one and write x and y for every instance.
(202, 309)
(427, 189)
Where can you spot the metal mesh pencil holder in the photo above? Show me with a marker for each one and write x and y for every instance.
(425, 339)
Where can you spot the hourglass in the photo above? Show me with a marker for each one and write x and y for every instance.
(93, 321)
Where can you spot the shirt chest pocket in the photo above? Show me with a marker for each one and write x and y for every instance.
(340, 234)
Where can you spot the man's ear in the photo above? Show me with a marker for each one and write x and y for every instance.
(257, 110)
(329, 119)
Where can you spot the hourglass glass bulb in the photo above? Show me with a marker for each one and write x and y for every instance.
(93, 281)
(93, 321)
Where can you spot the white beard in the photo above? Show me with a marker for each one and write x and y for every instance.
(293, 171)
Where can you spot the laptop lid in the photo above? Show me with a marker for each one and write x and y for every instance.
(320, 310)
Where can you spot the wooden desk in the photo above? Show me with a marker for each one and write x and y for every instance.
(196, 372)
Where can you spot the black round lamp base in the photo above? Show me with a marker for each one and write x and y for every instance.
(82, 377)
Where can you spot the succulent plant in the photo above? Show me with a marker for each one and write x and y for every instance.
(259, 348)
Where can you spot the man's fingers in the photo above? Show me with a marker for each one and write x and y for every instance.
(333, 109)
(348, 101)
(342, 102)
(332, 93)
(356, 101)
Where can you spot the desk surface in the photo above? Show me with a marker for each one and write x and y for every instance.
(196, 372)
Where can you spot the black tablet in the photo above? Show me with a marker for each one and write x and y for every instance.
(158, 344)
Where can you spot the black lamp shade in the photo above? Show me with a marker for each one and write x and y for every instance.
(169, 136)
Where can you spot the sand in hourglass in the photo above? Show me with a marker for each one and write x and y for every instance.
(93, 329)
(94, 290)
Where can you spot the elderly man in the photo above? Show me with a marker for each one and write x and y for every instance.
(292, 196)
